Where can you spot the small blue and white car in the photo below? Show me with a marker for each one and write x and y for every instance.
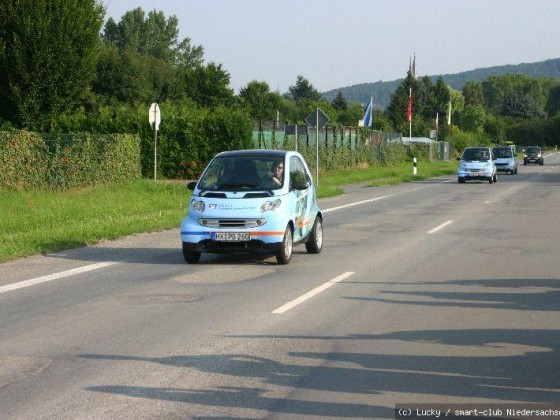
(260, 201)
(477, 163)
(505, 159)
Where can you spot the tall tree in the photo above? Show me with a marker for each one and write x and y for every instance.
(303, 91)
(473, 93)
(48, 53)
(339, 102)
(397, 109)
(553, 102)
(208, 86)
(149, 63)
(261, 102)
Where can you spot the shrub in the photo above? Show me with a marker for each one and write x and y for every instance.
(31, 161)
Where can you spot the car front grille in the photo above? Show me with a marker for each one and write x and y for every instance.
(231, 223)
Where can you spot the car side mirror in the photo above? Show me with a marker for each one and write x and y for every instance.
(192, 185)
(299, 185)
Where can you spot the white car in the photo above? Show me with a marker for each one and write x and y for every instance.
(477, 163)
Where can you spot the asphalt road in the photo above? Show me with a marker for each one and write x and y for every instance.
(425, 293)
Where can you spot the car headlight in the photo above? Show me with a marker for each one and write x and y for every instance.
(270, 205)
(198, 205)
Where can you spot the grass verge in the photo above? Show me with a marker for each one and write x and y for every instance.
(38, 222)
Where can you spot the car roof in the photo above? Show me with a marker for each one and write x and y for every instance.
(254, 152)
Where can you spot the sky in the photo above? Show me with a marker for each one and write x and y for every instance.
(340, 43)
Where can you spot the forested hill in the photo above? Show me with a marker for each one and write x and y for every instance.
(381, 91)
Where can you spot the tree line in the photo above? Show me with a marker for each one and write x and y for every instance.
(63, 68)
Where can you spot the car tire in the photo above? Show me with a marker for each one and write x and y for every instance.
(461, 180)
(190, 256)
(284, 254)
(315, 243)
(495, 177)
(491, 180)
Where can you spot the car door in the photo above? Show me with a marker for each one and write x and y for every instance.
(303, 199)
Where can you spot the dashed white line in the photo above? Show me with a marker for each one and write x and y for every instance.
(44, 279)
(355, 203)
(312, 293)
(434, 230)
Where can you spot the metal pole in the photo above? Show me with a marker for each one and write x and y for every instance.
(155, 156)
(317, 142)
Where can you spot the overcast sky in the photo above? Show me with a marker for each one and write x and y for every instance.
(338, 43)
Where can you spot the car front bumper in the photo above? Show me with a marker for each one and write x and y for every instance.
(471, 175)
(505, 167)
(263, 239)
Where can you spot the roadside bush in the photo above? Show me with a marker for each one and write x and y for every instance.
(31, 161)
(462, 139)
(188, 136)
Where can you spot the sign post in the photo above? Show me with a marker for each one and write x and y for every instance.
(295, 130)
(317, 119)
(154, 117)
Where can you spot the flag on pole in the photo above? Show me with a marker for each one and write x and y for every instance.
(409, 108)
(368, 117)
(449, 114)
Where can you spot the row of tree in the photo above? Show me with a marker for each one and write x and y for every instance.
(61, 68)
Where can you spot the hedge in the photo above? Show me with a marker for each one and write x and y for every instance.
(32, 161)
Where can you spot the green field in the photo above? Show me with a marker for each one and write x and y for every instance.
(38, 222)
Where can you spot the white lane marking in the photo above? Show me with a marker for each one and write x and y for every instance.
(434, 230)
(312, 293)
(55, 276)
(356, 203)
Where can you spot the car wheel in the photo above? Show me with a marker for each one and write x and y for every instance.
(542, 162)
(524, 163)
(284, 254)
(190, 256)
(495, 177)
(461, 180)
(491, 180)
(315, 243)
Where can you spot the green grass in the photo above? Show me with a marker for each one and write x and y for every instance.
(38, 222)
(330, 183)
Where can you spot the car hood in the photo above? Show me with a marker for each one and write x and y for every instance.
(475, 164)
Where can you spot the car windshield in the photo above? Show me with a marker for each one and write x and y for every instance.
(243, 172)
(502, 152)
(533, 150)
(476, 154)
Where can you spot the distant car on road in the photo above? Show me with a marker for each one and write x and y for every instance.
(505, 159)
(477, 163)
(259, 201)
(533, 154)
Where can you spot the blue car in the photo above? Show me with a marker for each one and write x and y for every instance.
(477, 163)
(505, 159)
(257, 201)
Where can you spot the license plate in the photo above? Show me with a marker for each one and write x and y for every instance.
(231, 236)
